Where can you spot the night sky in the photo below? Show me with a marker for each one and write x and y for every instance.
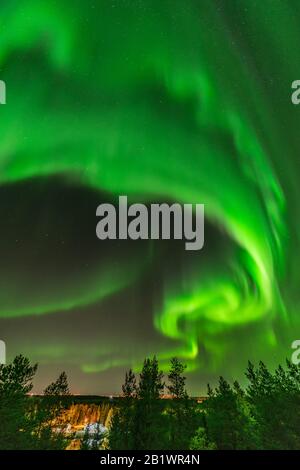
(164, 101)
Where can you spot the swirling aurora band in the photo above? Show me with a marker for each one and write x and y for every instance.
(169, 100)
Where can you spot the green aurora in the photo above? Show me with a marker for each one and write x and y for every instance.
(185, 101)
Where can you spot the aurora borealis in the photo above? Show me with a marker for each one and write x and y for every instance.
(178, 101)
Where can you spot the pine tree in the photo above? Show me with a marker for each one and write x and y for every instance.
(183, 420)
(275, 400)
(177, 381)
(129, 387)
(58, 388)
(50, 415)
(151, 384)
(123, 423)
(228, 421)
(150, 423)
(15, 382)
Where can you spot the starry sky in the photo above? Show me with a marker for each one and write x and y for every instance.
(162, 101)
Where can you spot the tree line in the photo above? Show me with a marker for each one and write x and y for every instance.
(263, 414)
(30, 423)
